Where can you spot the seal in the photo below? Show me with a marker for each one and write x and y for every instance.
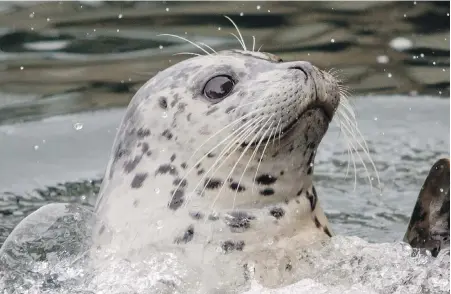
(429, 224)
(218, 151)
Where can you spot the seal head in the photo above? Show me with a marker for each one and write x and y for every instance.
(219, 150)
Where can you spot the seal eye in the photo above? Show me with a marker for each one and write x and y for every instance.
(218, 88)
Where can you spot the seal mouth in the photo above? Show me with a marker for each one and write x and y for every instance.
(326, 109)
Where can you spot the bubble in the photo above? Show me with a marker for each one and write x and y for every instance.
(258, 7)
(117, 30)
(405, 15)
(219, 28)
(441, 190)
(21, 68)
(401, 43)
(375, 118)
(241, 14)
(332, 40)
(48, 19)
(433, 62)
(78, 126)
(269, 10)
(161, 47)
(382, 59)
(120, 16)
(422, 55)
(389, 75)
(36, 147)
(167, 8)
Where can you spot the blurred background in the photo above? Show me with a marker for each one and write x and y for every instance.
(72, 58)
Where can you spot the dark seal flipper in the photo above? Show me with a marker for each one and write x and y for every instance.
(429, 223)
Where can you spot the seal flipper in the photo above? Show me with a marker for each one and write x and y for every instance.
(429, 224)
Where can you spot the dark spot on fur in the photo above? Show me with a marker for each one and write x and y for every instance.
(317, 223)
(166, 168)
(187, 236)
(309, 170)
(212, 183)
(148, 153)
(229, 246)
(312, 198)
(236, 187)
(135, 203)
(213, 217)
(197, 165)
(179, 182)
(188, 117)
(142, 133)
(299, 192)
(265, 179)
(282, 172)
(288, 267)
(267, 192)
(129, 166)
(172, 157)
(184, 165)
(326, 230)
(101, 230)
(163, 102)
(277, 212)
(238, 221)
(176, 199)
(210, 155)
(138, 180)
(229, 109)
(201, 171)
(291, 149)
(211, 110)
(196, 215)
(144, 147)
(167, 134)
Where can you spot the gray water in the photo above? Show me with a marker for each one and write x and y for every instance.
(68, 70)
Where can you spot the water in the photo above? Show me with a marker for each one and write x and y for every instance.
(69, 68)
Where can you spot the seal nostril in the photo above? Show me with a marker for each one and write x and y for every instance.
(301, 69)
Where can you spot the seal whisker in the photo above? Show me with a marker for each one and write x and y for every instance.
(348, 148)
(260, 48)
(351, 150)
(253, 43)
(253, 153)
(203, 44)
(239, 141)
(188, 53)
(354, 130)
(185, 39)
(243, 133)
(261, 158)
(239, 33)
(358, 154)
(239, 41)
(206, 154)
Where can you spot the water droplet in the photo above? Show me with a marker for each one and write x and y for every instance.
(441, 190)
(443, 69)
(332, 40)
(405, 15)
(375, 118)
(258, 7)
(414, 2)
(21, 68)
(422, 55)
(164, 115)
(219, 28)
(31, 15)
(382, 59)
(32, 28)
(447, 14)
(269, 10)
(167, 8)
(311, 164)
(433, 62)
(43, 141)
(94, 30)
(78, 126)
(157, 190)
(389, 75)
(161, 47)
(36, 147)
(117, 30)
(400, 43)
(440, 92)
(120, 16)
(48, 19)
(241, 14)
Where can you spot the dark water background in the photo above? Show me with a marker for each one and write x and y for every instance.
(61, 58)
